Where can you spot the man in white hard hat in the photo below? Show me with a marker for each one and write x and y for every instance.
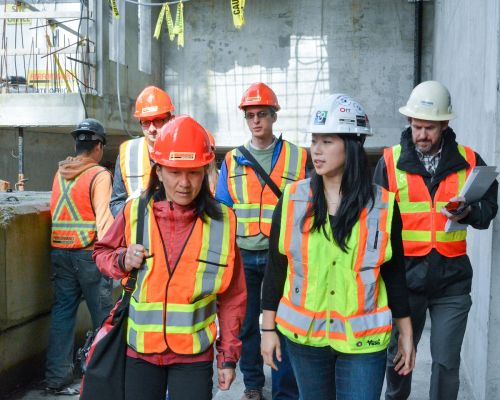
(427, 170)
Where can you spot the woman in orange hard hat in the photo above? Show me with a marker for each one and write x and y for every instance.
(190, 274)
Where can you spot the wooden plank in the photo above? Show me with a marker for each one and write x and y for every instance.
(43, 51)
(39, 14)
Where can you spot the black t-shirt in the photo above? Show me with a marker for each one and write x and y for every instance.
(393, 271)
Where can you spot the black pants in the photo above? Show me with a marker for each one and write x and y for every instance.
(148, 381)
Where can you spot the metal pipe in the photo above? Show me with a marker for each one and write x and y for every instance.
(20, 149)
(417, 46)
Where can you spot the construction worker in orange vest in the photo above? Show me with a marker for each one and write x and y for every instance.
(80, 215)
(190, 285)
(251, 180)
(426, 171)
(153, 108)
(335, 278)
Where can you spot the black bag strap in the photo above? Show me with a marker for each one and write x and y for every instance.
(132, 278)
(263, 174)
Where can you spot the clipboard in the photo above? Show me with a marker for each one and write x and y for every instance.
(476, 185)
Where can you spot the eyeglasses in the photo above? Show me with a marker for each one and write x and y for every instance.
(260, 115)
(158, 123)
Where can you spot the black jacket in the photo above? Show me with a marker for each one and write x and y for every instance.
(434, 274)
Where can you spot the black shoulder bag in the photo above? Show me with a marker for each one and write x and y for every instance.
(258, 168)
(104, 377)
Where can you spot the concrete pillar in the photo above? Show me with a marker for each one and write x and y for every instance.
(466, 60)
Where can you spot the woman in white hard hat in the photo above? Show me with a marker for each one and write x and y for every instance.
(336, 267)
(189, 274)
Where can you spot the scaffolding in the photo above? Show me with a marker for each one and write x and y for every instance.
(48, 47)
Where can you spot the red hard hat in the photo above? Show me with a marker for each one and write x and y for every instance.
(182, 143)
(152, 102)
(259, 94)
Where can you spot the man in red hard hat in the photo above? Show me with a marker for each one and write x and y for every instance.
(251, 180)
(153, 108)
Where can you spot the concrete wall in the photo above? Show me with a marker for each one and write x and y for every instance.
(26, 289)
(466, 60)
(304, 50)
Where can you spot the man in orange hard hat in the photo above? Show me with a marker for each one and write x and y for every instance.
(251, 180)
(153, 108)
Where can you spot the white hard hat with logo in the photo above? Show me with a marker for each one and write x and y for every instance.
(429, 101)
(339, 114)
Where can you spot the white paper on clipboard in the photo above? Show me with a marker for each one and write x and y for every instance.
(476, 185)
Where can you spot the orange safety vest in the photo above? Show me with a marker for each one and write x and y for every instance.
(175, 306)
(253, 203)
(135, 165)
(331, 297)
(73, 217)
(423, 223)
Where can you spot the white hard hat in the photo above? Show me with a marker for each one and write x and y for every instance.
(339, 114)
(429, 101)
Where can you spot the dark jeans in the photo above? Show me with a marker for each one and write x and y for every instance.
(74, 274)
(325, 374)
(251, 363)
(448, 323)
(146, 381)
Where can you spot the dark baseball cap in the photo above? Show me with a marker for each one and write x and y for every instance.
(89, 129)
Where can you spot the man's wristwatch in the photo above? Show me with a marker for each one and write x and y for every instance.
(228, 364)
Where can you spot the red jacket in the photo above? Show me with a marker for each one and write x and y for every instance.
(175, 226)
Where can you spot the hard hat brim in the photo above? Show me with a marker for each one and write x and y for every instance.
(426, 117)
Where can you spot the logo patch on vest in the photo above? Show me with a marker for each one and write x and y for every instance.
(371, 342)
(181, 156)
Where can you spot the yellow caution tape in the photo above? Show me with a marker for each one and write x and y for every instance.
(114, 8)
(237, 9)
(159, 22)
(179, 25)
(170, 23)
(174, 29)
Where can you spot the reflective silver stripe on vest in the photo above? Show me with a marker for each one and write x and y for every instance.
(190, 319)
(267, 214)
(89, 226)
(239, 172)
(204, 339)
(132, 338)
(146, 317)
(293, 317)
(301, 198)
(372, 250)
(247, 212)
(337, 325)
(293, 161)
(143, 271)
(135, 164)
(213, 256)
(371, 321)
(174, 318)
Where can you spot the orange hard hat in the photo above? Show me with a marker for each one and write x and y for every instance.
(152, 102)
(259, 94)
(211, 139)
(182, 143)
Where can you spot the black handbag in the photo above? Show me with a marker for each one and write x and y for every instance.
(104, 377)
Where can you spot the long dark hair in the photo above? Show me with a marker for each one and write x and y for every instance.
(356, 190)
(204, 203)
